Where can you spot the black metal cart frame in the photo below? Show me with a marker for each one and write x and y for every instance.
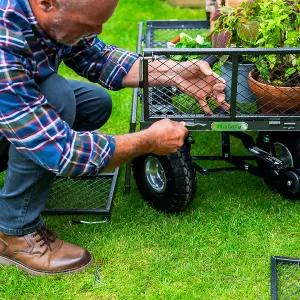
(235, 123)
(201, 122)
(197, 121)
(275, 129)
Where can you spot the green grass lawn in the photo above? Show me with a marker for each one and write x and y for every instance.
(219, 248)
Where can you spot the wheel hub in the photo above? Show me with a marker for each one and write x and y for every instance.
(155, 174)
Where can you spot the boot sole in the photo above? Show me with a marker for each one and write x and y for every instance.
(6, 261)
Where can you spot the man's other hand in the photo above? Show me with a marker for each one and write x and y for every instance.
(197, 80)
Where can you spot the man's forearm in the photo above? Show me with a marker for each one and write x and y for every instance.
(129, 146)
(161, 138)
(160, 73)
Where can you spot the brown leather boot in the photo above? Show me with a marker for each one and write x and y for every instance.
(40, 253)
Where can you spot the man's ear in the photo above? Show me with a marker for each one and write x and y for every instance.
(47, 5)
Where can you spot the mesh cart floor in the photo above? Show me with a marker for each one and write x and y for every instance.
(83, 195)
(285, 274)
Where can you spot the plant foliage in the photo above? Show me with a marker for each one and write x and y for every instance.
(263, 24)
(184, 40)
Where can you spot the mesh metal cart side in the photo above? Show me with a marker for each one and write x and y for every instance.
(169, 183)
(285, 278)
(88, 195)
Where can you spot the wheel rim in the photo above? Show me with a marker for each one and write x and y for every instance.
(284, 154)
(155, 174)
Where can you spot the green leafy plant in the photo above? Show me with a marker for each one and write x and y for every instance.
(235, 27)
(262, 24)
(279, 28)
(184, 40)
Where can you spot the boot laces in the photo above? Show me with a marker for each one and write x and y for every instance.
(46, 237)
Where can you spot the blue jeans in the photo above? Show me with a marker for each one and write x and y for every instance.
(84, 106)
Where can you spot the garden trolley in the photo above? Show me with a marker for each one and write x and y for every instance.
(168, 183)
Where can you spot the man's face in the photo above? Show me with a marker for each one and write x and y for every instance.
(68, 26)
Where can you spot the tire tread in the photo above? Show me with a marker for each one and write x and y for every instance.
(181, 177)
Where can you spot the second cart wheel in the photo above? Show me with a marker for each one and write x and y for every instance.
(167, 183)
(286, 147)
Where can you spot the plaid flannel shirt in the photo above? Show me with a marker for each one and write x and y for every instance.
(27, 55)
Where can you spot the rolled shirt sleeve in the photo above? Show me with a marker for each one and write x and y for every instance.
(94, 60)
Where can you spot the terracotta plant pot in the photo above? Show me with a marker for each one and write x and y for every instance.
(275, 100)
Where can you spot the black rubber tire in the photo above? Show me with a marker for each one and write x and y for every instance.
(292, 141)
(181, 181)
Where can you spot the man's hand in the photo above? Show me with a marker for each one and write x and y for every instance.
(162, 138)
(197, 80)
(166, 136)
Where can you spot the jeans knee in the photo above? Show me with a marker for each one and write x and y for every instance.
(61, 96)
(100, 115)
(94, 111)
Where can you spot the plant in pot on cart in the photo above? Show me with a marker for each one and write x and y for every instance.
(276, 79)
(237, 28)
(262, 24)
